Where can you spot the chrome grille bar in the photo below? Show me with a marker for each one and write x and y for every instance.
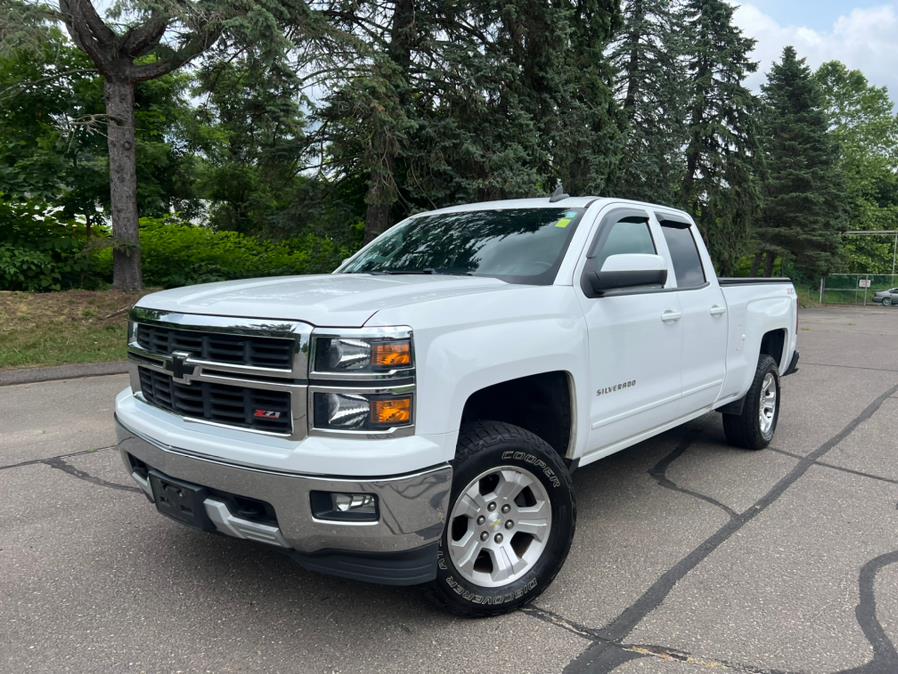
(182, 366)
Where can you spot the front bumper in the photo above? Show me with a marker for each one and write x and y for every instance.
(399, 547)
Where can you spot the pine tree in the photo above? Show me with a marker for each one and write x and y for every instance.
(802, 216)
(648, 86)
(719, 187)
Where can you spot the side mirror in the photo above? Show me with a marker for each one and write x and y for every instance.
(627, 271)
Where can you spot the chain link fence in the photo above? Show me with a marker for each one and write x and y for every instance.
(859, 289)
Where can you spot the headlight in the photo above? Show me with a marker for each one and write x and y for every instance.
(361, 411)
(362, 355)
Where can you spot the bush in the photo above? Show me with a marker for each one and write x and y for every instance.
(40, 253)
(175, 254)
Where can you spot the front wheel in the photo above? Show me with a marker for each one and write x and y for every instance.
(754, 427)
(886, 301)
(510, 524)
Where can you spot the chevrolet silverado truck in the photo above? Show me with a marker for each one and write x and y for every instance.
(415, 416)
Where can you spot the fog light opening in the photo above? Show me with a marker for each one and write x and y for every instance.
(346, 507)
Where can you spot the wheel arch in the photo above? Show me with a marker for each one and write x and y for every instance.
(542, 403)
(773, 344)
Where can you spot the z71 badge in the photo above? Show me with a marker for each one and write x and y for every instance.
(267, 414)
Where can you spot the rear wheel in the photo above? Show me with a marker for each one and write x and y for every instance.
(754, 427)
(510, 524)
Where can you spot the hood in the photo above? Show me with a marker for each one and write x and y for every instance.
(329, 300)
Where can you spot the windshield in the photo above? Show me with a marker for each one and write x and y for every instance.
(524, 245)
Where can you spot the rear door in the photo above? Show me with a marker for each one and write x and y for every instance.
(704, 321)
(635, 339)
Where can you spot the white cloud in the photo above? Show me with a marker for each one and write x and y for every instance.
(863, 39)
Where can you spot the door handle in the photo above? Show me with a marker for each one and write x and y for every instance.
(671, 316)
(717, 310)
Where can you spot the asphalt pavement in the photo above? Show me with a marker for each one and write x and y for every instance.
(689, 556)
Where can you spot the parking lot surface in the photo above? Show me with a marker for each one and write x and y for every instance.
(690, 556)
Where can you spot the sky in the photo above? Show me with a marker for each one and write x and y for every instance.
(863, 34)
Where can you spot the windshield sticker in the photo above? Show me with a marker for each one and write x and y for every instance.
(563, 223)
(571, 214)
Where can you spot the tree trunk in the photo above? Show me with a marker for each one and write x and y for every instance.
(768, 265)
(634, 38)
(380, 198)
(756, 263)
(123, 185)
(382, 190)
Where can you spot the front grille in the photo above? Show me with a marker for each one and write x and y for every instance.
(232, 349)
(232, 405)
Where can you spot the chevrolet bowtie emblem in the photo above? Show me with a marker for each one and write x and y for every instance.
(177, 364)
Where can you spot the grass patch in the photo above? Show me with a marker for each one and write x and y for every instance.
(76, 326)
(808, 298)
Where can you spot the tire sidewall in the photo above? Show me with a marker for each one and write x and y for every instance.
(509, 452)
(771, 368)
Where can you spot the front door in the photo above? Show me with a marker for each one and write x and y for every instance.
(635, 341)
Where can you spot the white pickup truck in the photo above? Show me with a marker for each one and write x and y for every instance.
(415, 417)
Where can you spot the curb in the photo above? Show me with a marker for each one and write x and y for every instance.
(33, 375)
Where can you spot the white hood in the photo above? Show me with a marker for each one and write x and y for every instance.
(330, 300)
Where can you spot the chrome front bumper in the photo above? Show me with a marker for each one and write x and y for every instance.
(412, 508)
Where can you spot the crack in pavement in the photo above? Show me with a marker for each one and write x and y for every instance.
(619, 653)
(885, 656)
(850, 367)
(659, 473)
(596, 657)
(824, 464)
(59, 463)
(34, 462)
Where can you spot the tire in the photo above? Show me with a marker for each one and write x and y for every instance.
(513, 566)
(746, 430)
(886, 301)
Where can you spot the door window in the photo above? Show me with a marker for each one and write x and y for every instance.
(684, 255)
(629, 235)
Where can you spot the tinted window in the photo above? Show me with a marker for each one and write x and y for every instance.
(630, 235)
(516, 245)
(684, 254)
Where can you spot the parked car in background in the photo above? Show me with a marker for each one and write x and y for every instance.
(886, 297)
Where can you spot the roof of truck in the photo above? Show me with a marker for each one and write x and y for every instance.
(543, 202)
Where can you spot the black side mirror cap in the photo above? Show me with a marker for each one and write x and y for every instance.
(600, 282)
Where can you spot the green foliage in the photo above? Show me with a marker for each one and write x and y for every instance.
(38, 252)
(176, 253)
(803, 214)
(53, 139)
(649, 71)
(863, 123)
(299, 126)
(720, 185)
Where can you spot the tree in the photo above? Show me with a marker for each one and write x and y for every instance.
(52, 133)
(156, 38)
(720, 186)
(366, 117)
(250, 130)
(647, 59)
(864, 124)
(452, 102)
(803, 214)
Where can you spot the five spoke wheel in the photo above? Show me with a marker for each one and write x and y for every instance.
(499, 526)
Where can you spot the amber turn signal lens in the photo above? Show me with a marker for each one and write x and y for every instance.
(392, 412)
(391, 354)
